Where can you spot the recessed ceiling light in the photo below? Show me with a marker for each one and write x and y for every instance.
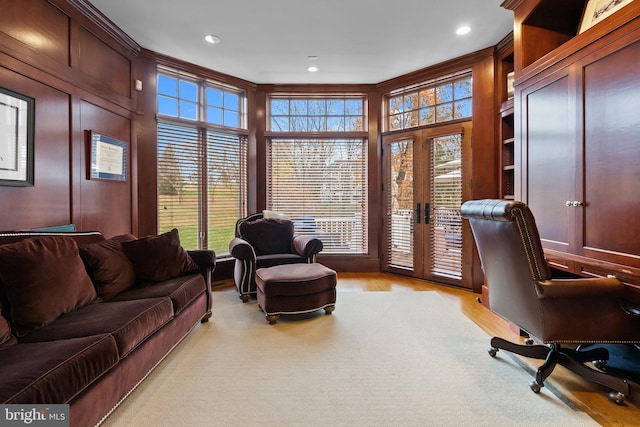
(312, 67)
(212, 39)
(461, 31)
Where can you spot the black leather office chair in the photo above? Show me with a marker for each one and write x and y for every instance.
(558, 314)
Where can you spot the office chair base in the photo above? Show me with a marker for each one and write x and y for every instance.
(554, 354)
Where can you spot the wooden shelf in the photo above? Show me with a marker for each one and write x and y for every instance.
(507, 107)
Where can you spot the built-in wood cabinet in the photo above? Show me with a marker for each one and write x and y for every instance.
(507, 151)
(504, 86)
(576, 149)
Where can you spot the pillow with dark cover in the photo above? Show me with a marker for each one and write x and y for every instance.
(6, 337)
(268, 235)
(159, 258)
(109, 267)
(44, 278)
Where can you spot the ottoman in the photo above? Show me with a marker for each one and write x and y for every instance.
(295, 289)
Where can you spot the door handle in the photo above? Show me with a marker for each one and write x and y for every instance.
(427, 213)
(418, 214)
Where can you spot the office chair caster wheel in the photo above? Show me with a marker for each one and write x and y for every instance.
(535, 387)
(617, 397)
(493, 351)
(600, 364)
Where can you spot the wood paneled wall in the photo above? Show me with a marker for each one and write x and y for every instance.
(79, 71)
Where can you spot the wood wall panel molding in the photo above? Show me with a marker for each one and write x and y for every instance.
(41, 27)
(48, 201)
(103, 64)
(104, 24)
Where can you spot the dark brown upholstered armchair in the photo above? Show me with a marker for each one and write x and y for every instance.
(265, 242)
(559, 313)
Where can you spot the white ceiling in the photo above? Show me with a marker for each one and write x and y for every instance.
(268, 41)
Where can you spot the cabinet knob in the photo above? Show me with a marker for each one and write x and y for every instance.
(577, 204)
(568, 203)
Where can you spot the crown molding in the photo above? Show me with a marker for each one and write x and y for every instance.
(90, 12)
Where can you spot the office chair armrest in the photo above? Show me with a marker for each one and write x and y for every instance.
(307, 246)
(580, 288)
(241, 249)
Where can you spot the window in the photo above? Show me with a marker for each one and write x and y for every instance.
(180, 96)
(222, 107)
(317, 115)
(202, 188)
(177, 97)
(430, 104)
(321, 185)
(320, 182)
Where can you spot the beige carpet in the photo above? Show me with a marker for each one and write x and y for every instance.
(382, 359)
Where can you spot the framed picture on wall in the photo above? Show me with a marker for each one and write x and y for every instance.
(597, 10)
(108, 158)
(17, 126)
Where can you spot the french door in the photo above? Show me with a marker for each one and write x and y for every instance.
(423, 192)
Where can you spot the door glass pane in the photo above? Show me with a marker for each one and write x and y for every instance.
(400, 205)
(446, 198)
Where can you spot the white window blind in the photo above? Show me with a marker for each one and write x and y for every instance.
(226, 187)
(203, 206)
(179, 182)
(446, 198)
(321, 185)
(400, 239)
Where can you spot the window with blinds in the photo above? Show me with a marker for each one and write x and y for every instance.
(321, 184)
(446, 199)
(203, 206)
(180, 182)
(202, 159)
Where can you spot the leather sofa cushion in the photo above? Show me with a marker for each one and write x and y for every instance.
(268, 235)
(160, 257)
(182, 290)
(130, 322)
(110, 269)
(43, 278)
(56, 371)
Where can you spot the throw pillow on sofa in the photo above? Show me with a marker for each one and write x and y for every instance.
(109, 267)
(159, 258)
(43, 278)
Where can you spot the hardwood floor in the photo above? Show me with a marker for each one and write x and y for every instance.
(590, 398)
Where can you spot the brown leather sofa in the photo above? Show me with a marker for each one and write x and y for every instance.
(85, 319)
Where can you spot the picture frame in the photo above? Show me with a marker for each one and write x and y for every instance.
(597, 10)
(17, 128)
(108, 158)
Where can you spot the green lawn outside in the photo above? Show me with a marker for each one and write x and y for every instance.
(181, 212)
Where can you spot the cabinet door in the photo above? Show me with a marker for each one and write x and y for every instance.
(550, 168)
(611, 193)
